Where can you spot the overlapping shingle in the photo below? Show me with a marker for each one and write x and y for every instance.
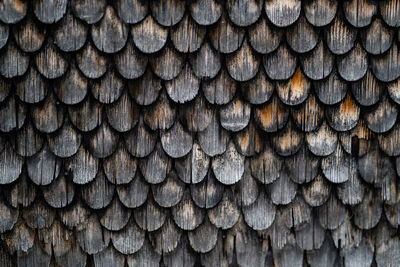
(204, 132)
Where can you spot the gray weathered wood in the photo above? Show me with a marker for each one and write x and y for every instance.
(123, 115)
(22, 192)
(131, 11)
(50, 62)
(289, 256)
(243, 64)
(99, 193)
(375, 45)
(135, 193)
(320, 12)
(8, 217)
(317, 192)
(168, 12)
(228, 167)
(120, 167)
(339, 166)
(261, 214)
(129, 240)
(149, 36)
(150, 217)
(76, 215)
(39, 215)
(390, 12)
(387, 68)
(340, 37)
(226, 214)
(145, 257)
(29, 35)
(12, 11)
(332, 213)
(207, 193)
(87, 115)
(311, 237)
(13, 62)
(214, 139)
(354, 65)
(205, 12)
(219, 90)
(226, 38)
(82, 166)
(50, 11)
(130, 63)
(108, 88)
(48, 117)
(109, 257)
(92, 239)
(266, 167)
(281, 64)
(11, 165)
(92, 64)
(110, 35)
(115, 216)
(368, 213)
(162, 114)
(90, 11)
(104, 141)
(145, 90)
(206, 63)
(319, 63)
(168, 193)
(309, 115)
(302, 37)
(156, 166)
(283, 13)
(383, 117)
(167, 238)
(140, 141)
(168, 64)
(184, 87)
(360, 12)
(60, 193)
(188, 36)
(263, 38)
(70, 34)
(204, 238)
(27, 141)
(331, 90)
(186, 214)
(194, 166)
(72, 87)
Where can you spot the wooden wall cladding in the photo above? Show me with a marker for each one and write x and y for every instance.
(199, 133)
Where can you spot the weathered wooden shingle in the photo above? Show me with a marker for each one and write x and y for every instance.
(204, 132)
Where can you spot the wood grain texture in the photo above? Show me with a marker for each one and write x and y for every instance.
(70, 35)
(148, 36)
(206, 12)
(320, 12)
(284, 13)
(340, 37)
(131, 11)
(226, 37)
(99, 193)
(12, 11)
(188, 36)
(129, 62)
(88, 10)
(50, 11)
